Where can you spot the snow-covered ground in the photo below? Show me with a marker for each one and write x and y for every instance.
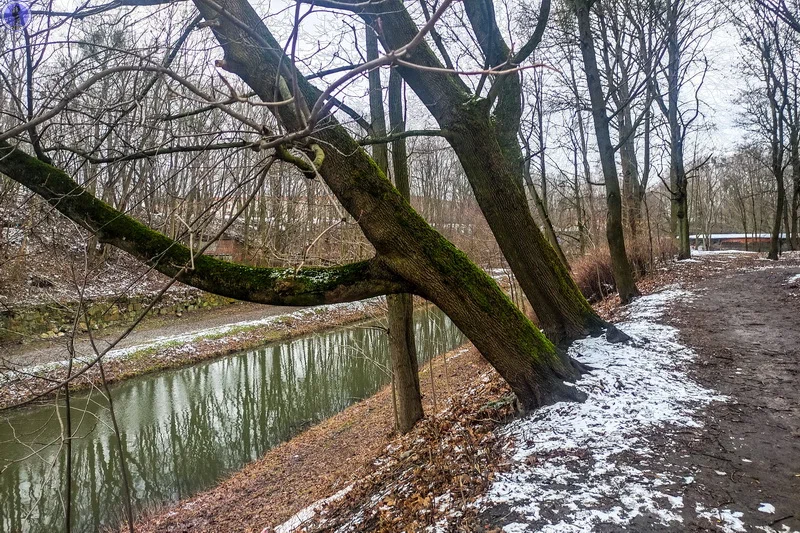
(578, 465)
(298, 520)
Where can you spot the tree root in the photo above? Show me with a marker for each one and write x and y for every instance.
(614, 335)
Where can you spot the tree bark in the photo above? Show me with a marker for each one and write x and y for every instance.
(623, 274)
(487, 147)
(405, 367)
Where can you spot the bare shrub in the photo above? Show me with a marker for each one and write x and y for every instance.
(594, 275)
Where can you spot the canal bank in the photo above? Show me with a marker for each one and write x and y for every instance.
(178, 349)
(329, 457)
(185, 429)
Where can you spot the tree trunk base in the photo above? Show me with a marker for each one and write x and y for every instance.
(556, 389)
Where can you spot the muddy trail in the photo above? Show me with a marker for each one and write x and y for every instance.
(745, 327)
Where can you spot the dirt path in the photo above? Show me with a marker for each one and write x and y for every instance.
(745, 327)
(56, 350)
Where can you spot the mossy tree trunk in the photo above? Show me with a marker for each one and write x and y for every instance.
(274, 286)
(483, 134)
(404, 242)
(411, 256)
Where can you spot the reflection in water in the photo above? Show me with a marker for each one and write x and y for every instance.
(184, 429)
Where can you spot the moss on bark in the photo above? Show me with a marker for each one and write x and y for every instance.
(276, 286)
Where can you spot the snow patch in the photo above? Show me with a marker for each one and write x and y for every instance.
(793, 279)
(725, 519)
(573, 464)
(767, 508)
(304, 515)
(783, 529)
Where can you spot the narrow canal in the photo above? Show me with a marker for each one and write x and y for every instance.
(183, 430)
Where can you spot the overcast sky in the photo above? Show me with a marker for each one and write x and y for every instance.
(329, 35)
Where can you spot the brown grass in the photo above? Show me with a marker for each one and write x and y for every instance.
(595, 277)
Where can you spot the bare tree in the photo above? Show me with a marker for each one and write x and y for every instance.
(623, 273)
(771, 108)
(410, 257)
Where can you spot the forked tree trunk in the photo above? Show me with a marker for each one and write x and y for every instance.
(492, 161)
(623, 274)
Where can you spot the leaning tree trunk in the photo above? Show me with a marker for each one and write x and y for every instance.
(623, 274)
(411, 256)
(402, 239)
(487, 147)
(561, 309)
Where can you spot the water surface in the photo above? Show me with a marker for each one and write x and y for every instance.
(184, 429)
